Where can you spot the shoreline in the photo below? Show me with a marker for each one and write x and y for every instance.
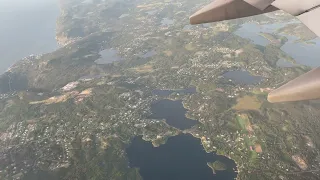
(61, 40)
(215, 152)
(58, 46)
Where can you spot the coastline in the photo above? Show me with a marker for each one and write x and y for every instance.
(38, 53)
(61, 38)
(227, 156)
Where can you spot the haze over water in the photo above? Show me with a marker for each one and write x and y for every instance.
(27, 27)
(305, 54)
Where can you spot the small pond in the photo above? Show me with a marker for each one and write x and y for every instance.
(108, 56)
(242, 77)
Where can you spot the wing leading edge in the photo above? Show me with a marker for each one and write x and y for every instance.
(220, 10)
(305, 87)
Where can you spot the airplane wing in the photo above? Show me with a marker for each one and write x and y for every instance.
(305, 87)
(220, 10)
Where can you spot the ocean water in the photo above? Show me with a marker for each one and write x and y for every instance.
(27, 27)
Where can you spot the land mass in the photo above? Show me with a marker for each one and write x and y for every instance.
(217, 166)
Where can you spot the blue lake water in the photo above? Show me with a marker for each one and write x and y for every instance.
(27, 27)
(108, 56)
(242, 77)
(305, 54)
(181, 158)
(252, 31)
(173, 112)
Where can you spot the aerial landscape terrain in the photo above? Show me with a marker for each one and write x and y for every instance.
(135, 92)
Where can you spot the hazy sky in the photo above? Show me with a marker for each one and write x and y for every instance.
(11, 5)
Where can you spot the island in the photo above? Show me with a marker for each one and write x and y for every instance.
(217, 166)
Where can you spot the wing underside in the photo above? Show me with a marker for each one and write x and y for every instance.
(307, 11)
(305, 87)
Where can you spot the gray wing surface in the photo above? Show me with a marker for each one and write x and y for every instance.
(305, 87)
(220, 10)
(307, 11)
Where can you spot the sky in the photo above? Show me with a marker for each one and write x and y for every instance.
(13, 5)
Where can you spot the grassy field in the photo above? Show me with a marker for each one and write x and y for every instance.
(247, 103)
